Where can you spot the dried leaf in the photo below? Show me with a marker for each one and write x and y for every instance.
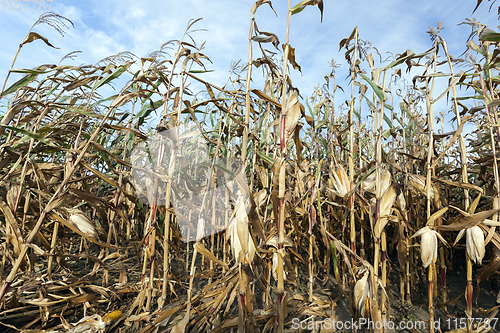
(468, 221)
(34, 36)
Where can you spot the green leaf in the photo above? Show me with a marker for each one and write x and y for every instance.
(387, 133)
(376, 88)
(219, 166)
(28, 71)
(476, 48)
(199, 71)
(147, 109)
(301, 5)
(370, 104)
(335, 262)
(19, 84)
(110, 98)
(119, 71)
(388, 121)
(84, 112)
(321, 124)
(53, 89)
(488, 35)
(30, 134)
(480, 97)
(402, 58)
(311, 112)
(325, 143)
(266, 158)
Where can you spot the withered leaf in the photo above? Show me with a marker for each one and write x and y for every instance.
(34, 36)
(468, 221)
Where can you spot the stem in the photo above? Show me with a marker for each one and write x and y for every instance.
(280, 317)
(247, 95)
(351, 146)
(428, 183)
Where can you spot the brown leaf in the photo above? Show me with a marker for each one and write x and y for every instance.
(123, 128)
(452, 141)
(267, 37)
(468, 221)
(264, 96)
(75, 84)
(180, 327)
(301, 5)
(11, 221)
(119, 101)
(34, 36)
(459, 184)
(259, 3)
(345, 41)
(291, 57)
(207, 253)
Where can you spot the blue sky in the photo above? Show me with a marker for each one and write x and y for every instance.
(104, 28)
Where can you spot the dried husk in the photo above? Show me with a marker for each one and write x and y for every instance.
(340, 181)
(82, 222)
(386, 203)
(416, 183)
(475, 244)
(369, 184)
(361, 293)
(242, 244)
(429, 244)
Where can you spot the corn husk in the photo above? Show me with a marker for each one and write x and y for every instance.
(401, 201)
(89, 324)
(82, 223)
(428, 248)
(275, 267)
(95, 323)
(273, 241)
(242, 244)
(341, 182)
(361, 294)
(369, 184)
(416, 183)
(475, 244)
(386, 203)
(428, 245)
(292, 112)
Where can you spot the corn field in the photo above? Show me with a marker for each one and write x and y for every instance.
(171, 204)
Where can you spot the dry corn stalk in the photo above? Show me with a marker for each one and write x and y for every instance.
(243, 249)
